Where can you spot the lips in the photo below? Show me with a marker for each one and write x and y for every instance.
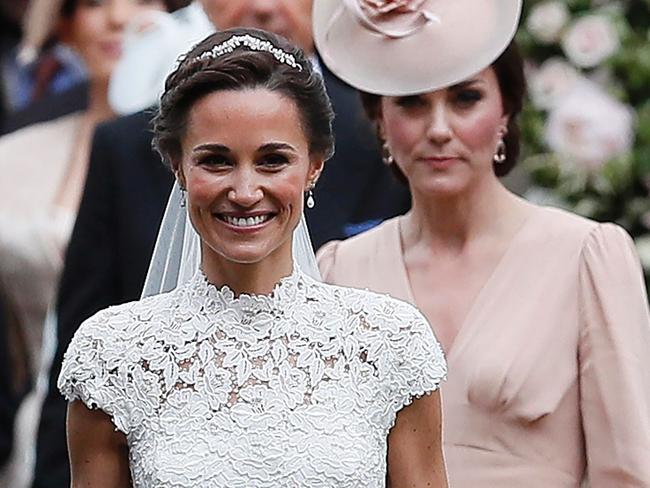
(441, 162)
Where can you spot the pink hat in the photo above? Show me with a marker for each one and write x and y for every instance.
(404, 47)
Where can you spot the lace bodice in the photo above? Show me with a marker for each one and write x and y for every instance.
(298, 388)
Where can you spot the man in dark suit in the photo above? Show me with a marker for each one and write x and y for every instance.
(127, 188)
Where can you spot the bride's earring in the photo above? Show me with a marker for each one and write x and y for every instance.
(183, 197)
(311, 203)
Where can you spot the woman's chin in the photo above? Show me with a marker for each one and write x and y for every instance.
(244, 256)
(444, 187)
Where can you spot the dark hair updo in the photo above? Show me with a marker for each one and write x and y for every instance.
(509, 70)
(239, 69)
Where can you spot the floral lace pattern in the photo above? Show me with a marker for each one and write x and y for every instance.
(298, 388)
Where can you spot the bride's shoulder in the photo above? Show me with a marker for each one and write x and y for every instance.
(121, 322)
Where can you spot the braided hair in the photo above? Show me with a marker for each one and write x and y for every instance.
(198, 75)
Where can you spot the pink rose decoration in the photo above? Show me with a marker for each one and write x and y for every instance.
(376, 8)
(391, 18)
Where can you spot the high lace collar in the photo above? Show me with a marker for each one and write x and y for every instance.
(215, 298)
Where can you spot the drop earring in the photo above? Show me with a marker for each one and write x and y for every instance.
(386, 155)
(183, 197)
(311, 203)
(500, 154)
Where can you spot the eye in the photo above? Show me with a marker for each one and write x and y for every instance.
(273, 161)
(410, 102)
(468, 97)
(214, 161)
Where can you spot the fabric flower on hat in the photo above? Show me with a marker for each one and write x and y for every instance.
(589, 126)
(590, 40)
(551, 81)
(381, 7)
(546, 21)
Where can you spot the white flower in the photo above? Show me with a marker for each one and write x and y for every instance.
(589, 127)
(547, 19)
(551, 81)
(590, 40)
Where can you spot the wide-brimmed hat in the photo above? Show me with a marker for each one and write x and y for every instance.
(39, 24)
(404, 47)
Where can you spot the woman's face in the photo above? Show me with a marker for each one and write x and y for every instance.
(444, 141)
(246, 166)
(96, 28)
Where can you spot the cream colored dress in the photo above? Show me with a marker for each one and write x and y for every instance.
(549, 376)
(33, 231)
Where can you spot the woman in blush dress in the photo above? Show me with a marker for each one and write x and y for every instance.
(251, 373)
(543, 314)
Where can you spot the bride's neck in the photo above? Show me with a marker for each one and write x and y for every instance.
(257, 278)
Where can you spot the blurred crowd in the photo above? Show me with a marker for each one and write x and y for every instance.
(82, 192)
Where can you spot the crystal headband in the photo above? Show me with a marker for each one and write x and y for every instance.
(254, 44)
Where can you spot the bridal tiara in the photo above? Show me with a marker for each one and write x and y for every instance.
(252, 43)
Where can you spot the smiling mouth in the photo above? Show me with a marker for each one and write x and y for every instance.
(245, 222)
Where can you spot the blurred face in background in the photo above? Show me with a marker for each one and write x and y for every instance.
(289, 18)
(95, 30)
(13, 10)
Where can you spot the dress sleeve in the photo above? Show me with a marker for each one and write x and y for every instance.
(326, 257)
(91, 371)
(419, 364)
(613, 353)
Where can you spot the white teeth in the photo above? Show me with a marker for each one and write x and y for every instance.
(246, 222)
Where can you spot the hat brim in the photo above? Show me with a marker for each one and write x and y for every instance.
(469, 37)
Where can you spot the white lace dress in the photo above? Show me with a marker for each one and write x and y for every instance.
(299, 388)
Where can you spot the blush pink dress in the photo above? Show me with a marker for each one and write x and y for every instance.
(549, 376)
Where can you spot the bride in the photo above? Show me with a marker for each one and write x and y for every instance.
(252, 372)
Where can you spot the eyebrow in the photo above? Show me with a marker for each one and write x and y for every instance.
(468, 83)
(212, 148)
(276, 146)
(220, 148)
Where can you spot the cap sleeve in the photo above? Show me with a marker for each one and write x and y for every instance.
(613, 353)
(92, 372)
(419, 364)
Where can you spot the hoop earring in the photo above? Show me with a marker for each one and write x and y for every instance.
(500, 155)
(386, 156)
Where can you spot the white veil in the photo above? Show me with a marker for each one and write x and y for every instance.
(177, 253)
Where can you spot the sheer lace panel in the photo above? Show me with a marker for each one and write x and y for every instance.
(299, 388)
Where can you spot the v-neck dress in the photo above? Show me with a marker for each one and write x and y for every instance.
(549, 375)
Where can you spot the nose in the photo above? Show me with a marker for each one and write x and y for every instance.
(439, 129)
(245, 191)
